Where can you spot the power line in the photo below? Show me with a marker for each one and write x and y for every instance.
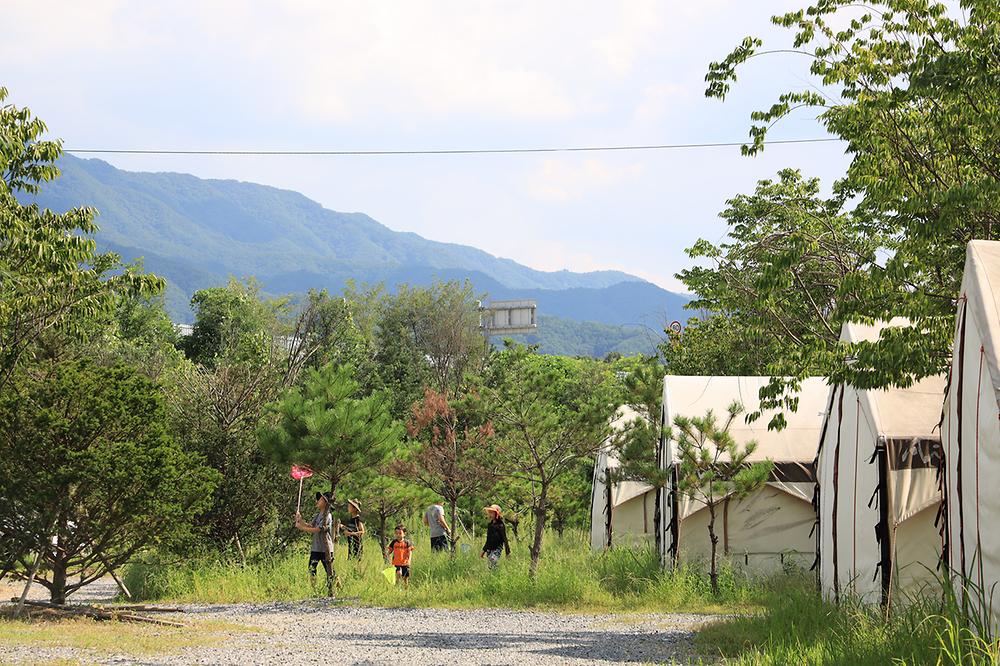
(445, 151)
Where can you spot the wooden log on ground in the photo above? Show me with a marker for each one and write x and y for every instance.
(142, 608)
(99, 613)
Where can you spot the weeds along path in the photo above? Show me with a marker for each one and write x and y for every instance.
(318, 632)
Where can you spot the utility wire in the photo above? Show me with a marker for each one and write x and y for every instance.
(446, 151)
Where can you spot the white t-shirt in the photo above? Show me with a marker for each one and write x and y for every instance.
(433, 514)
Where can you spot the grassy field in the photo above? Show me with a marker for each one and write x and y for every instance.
(570, 577)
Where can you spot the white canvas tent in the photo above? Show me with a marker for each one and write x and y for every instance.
(971, 429)
(620, 513)
(879, 494)
(772, 527)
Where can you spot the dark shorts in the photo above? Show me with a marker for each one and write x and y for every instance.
(404, 572)
(354, 548)
(314, 560)
(439, 542)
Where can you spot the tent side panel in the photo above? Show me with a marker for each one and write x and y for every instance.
(973, 503)
(859, 553)
(916, 549)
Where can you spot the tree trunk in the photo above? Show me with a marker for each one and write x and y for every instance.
(714, 573)
(58, 589)
(541, 513)
(381, 537)
(453, 505)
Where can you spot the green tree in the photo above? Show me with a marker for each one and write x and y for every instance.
(233, 322)
(550, 413)
(638, 442)
(386, 498)
(713, 466)
(451, 459)
(911, 86)
(719, 344)
(51, 276)
(89, 475)
(325, 425)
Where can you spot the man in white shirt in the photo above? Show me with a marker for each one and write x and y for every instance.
(434, 519)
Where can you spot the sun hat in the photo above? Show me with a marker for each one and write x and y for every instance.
(355, 504)
(327, 496)
(495, 509)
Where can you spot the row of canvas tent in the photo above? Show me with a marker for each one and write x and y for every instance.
(881, 489)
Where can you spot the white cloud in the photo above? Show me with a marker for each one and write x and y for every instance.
(568, 179)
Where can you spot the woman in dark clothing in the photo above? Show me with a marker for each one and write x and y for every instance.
(354, 529)
(496, 537)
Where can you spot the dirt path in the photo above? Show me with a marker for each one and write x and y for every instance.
(318, 633)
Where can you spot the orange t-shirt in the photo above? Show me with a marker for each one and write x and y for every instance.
(401, 549)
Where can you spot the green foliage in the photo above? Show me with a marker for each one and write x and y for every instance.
(325, 425)
(233, 321)
(718, 345)
(912, 88)
(89, 475)
(550, 413)
(713, 466)
(385, 500)
(637, 442)
(564, 336)
(51, 275)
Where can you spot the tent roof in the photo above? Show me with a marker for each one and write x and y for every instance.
(981, 285)
(798, 441)
(909, 412)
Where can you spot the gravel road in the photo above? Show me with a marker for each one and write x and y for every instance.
(316, 632)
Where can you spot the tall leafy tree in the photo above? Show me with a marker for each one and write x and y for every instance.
(51, 275)
(325, 425)
(550, 413)
(913, 89)
(451, 459)
(713, 467)
(89, 475)
(718, 344)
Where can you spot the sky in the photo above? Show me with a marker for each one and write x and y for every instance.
(407, 74)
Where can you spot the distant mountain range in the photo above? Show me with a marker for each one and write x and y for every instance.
(197, 233)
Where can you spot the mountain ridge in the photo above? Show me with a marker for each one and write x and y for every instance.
(199, 232)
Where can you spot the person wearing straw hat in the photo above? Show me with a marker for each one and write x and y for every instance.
(321, 529)
(354, 529)
(496, 536)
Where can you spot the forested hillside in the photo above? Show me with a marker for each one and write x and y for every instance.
(198, 233)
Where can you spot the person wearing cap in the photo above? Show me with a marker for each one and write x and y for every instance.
(496, 537)
(354, 529)
(321, 529)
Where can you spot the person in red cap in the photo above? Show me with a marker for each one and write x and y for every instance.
(496, 537)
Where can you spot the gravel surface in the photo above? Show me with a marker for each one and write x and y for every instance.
(316, 632)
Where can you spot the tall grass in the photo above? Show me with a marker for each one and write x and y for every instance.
(796, 626)
(570, 577)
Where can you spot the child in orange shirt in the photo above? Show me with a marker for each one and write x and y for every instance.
(401, 547)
